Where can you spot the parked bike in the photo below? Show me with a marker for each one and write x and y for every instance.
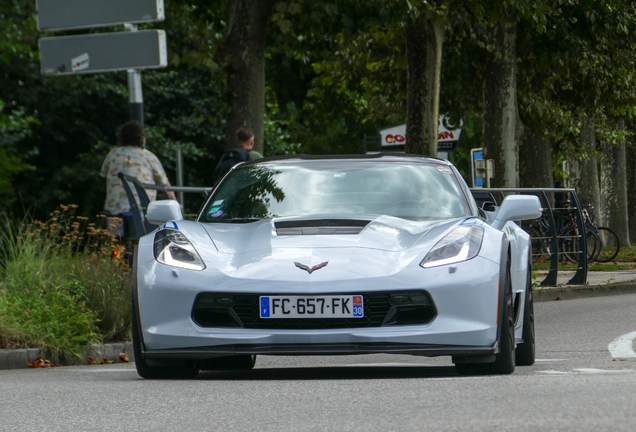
(603, 244)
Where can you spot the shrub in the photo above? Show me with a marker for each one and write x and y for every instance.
(60, 288)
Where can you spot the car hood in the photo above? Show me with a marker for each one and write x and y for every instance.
(385, 233)
(254, 252)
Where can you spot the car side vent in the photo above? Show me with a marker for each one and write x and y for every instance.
(321, 227)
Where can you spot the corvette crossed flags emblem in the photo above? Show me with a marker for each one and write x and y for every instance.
(312, 269)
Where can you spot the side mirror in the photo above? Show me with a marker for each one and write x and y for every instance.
(160, 212)
(517, 207)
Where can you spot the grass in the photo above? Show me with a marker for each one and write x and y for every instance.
(626, 260)
(60, 288)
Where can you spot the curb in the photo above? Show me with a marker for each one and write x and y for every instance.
(572, 292)
(21, 358)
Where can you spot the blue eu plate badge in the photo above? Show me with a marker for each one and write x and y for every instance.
(265, 307)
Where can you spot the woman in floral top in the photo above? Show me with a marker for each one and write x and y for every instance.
(132, 158)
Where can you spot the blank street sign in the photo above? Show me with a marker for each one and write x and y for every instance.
(105, 52)
(56, 15)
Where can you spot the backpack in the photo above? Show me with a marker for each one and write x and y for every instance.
(231, 158)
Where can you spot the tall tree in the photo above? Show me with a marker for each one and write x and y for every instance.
(242, 53)
(483, 75)
(500, 105)
(584, 170)
(631, 189)
(580, 79)
(614, 187)
(535, 161)
(424, 34)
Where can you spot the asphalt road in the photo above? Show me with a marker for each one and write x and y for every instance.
(576, 385)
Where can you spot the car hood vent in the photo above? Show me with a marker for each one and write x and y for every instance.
(320, 227)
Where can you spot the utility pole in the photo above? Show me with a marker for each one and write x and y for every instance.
(135, 92)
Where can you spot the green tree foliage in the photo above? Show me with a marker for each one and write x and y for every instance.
(581, 67)
(335, 70)
(320, 73)
(77, 116)
(13, 127)
(15, 123)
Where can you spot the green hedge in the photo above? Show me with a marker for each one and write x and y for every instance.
(60, 287)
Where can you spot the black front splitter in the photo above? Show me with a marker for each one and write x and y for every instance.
(200, 353)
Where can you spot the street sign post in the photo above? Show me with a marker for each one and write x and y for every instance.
(104, 52)
(56, 15)
(131, 50)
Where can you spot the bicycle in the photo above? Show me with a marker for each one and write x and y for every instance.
(610, 245)
(602, 242)
(567, 236)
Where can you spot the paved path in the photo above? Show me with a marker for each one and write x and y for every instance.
(599, 284)
(578, 384)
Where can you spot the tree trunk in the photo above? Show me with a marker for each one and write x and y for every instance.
(424, 40)
(631, 190)
(500, 107)
(583, 175)
(242, 53)
(535, 161)
(614, 189)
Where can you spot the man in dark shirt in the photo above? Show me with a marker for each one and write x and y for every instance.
(242, 153)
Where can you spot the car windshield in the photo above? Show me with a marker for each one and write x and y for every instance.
(337, 187)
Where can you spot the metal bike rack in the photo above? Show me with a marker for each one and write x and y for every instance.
(580, 277)
(138, 209)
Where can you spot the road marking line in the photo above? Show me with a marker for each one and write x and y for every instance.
(588, 371)
(550, 360)
(386, 365)
(603, 371)
(622, 347)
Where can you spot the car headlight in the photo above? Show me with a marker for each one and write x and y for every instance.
(461, 244)
(174, 249)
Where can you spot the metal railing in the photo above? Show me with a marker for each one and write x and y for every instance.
(580, 276)
(138, 208)
(186, 189)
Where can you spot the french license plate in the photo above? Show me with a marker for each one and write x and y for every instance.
(335, 306)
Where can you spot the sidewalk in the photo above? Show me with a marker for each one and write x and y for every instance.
(21, 358)
(598, 284)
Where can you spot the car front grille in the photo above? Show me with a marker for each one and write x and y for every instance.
(412, 307)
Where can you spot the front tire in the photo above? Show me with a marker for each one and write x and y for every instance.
(505, 360)
(157, 372)
(189, 370)
(525, 353)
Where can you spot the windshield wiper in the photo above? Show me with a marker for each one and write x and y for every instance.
(237, 220)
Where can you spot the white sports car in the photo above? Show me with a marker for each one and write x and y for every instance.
(305, 255)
